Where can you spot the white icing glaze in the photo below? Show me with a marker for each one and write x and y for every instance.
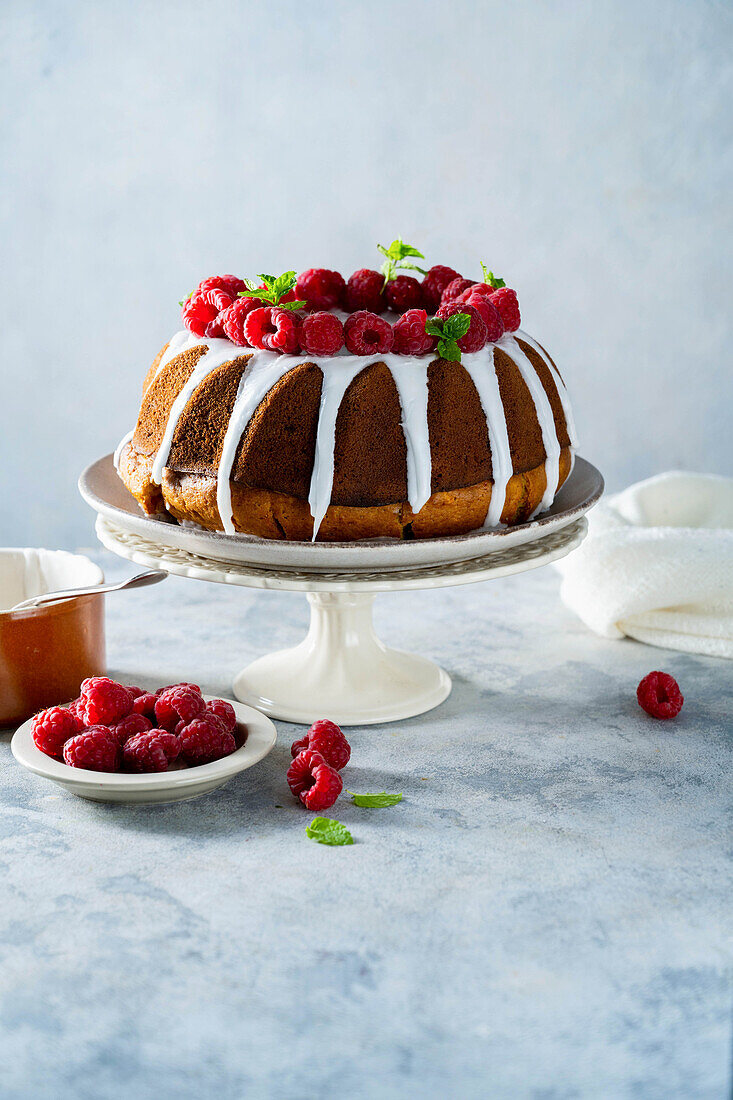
(264, 370)
(336, 379)
(120, 448)
(562, 392)
(218, 353)
(482, 369)
(410, 373)
(545, 417)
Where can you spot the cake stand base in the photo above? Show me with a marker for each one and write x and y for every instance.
(342, 671)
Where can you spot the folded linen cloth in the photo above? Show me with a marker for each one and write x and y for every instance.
(657, 565)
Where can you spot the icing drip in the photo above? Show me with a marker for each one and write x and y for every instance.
(177, 344)
(482, 369)
(120, 448)
(562, 392)
(336, 380)
(544, 415)
(218, 353)
(410, 373)
(264, 370)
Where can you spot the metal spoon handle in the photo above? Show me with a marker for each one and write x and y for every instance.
(140, 580)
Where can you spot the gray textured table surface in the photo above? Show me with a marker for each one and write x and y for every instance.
(546, 915)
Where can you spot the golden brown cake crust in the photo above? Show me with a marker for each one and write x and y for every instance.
(274, 515)
(273, 465)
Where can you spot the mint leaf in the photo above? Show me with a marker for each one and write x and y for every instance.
(448, 349)
(184, 300)
(490, 279)
(449, 333)
(375, 801)
(396, 256)
(457, 325)
(324, 830)
(275, 288)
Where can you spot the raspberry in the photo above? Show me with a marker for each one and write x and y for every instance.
(313, 781)
(410, 337)
(229, 283)
(131, 727)
(366, 334)
(475, 338)
(234, 316)
(74, 708)
(364, 291)
(135, 692)
(321, 334)
(96, 749)
(203, 741)
(320, 288)
(201, 311)
(326, 738)
(434, 284)
(176, 704)
(455, 288)
(103, 701)
(507, 303)
(224, 712)
(403, 293)
(150, 752)
(272, 328)
(484, 289)
(489, 313)
(52, 728)
(659, 695)
(145, 704)
(181, 684)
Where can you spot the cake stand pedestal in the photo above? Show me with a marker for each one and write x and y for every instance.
(341, 669)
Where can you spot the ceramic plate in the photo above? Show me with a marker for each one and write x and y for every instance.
(157, 786)
(104, 491)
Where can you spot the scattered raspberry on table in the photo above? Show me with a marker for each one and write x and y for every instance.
(313, 781)
(659, 695)
(326, 738)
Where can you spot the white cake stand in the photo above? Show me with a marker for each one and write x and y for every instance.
(341, 670)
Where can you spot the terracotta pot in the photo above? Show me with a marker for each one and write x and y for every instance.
(46, 652)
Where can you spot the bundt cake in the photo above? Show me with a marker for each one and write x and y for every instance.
(257, 419)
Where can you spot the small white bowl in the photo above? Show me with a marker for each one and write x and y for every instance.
(156, 786)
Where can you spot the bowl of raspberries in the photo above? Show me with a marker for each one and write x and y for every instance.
(121, 743)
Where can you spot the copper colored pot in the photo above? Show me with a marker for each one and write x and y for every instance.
(46, 652)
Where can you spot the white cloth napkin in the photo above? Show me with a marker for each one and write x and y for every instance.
(657, 565)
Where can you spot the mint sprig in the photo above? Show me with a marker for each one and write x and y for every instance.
(274, 290)
(324, 830)
(396, 260)
(184, 300)
(490, 278)
(375, 801)
(449, 332)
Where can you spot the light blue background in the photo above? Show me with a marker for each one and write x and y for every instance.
(583, 150)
